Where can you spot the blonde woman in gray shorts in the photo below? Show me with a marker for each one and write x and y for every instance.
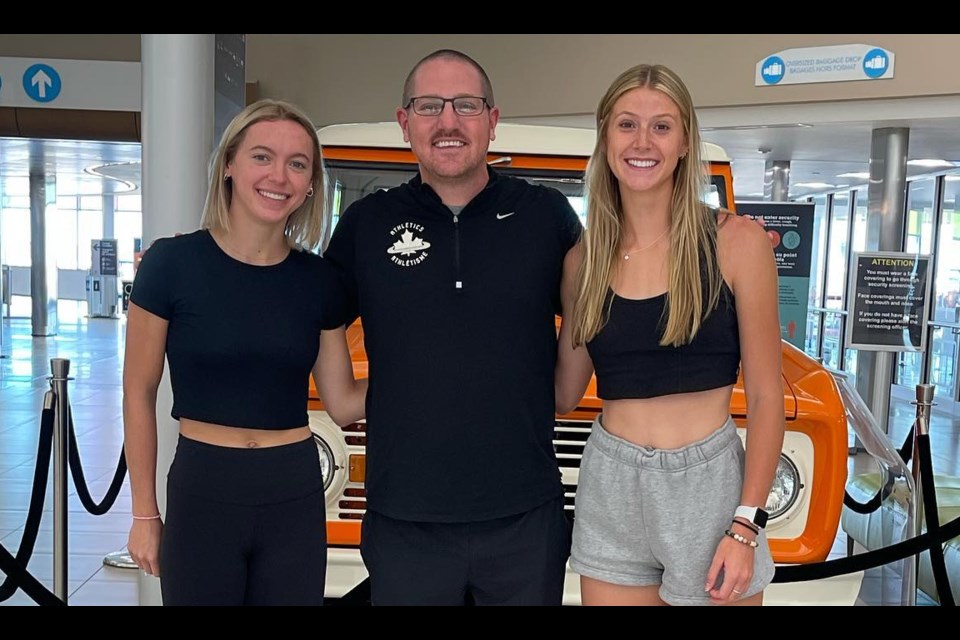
(667, 299)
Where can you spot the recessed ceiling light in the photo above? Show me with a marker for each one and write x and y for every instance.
(859, 175)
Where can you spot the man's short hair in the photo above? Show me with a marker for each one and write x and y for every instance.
(448, 54)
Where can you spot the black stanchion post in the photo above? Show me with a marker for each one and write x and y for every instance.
(60, 369)
(924, 404)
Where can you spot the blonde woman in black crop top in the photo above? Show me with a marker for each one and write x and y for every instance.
(666, 299)
(243, 315)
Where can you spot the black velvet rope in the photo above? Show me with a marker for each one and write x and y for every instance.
(30, 585)
(15, 567)
(864, 561)
(34, 513)
(932, 540)
(871, 505)
(83, 492)
(932, 516)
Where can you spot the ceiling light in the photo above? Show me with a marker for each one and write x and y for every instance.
(123, 173)
(814, 185)
(859, 175)
(750, 127)
(929, 163)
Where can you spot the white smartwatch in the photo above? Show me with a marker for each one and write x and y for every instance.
(756, 515)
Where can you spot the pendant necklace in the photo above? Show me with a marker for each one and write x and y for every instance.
(626, 256)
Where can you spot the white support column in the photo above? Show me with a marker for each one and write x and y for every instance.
(776, 180)
(43, 263)
(178, 121)
(108, 206)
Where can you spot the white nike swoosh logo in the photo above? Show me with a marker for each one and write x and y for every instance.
(501, 216)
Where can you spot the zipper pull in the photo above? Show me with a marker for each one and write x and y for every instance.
(457, 283)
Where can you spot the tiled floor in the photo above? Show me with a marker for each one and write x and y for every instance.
(95, 349)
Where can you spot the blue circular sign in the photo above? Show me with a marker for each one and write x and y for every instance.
(791, 240)
(875, 63)
(773, 69)
(41, 82)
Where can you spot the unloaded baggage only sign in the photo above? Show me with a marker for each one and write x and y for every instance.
(889, 302)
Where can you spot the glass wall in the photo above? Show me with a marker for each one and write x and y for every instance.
(78, 220)
(818, 262)
(918, 240)
(945, 319)
(931, 227)
(127, 229)
(838, 248)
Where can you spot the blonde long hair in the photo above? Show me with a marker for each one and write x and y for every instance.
(305, 225)
(693, 229)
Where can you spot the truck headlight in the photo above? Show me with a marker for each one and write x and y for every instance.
(327, 462)
(786, 487)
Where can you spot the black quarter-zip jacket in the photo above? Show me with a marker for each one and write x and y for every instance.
(459, 325)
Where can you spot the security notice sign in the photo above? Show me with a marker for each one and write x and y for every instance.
(890, 302)
(789, 228)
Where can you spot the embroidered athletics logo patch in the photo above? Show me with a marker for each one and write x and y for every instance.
(408, 250)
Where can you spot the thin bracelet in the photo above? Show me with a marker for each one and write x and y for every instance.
(156, 517)
(752, 527)
(739, 538)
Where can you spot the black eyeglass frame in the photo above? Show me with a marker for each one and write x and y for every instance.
(453, 103)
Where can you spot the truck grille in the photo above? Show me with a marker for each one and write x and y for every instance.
(569, 439)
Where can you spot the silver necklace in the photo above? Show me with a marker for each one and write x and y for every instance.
(626, 256)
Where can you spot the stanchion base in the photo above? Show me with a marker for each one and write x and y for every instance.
(120, 560)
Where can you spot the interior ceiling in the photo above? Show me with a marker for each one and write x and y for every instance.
(819, 140)
(81, 167)
(835, 139)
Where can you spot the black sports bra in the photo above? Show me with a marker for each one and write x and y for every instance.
(630, 362)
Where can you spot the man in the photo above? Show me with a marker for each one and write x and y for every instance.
(456, 275)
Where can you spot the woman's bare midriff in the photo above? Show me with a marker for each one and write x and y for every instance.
(240, 438)
(668, 422)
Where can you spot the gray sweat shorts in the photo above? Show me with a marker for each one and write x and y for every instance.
(656, 516)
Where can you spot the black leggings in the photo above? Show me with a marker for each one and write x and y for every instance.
(244, 526)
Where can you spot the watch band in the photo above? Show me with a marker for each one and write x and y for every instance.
(756, 515)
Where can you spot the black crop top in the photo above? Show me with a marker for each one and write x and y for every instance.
(241, 339)
(630, 363)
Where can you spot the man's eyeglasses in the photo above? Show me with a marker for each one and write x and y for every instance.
(432, 106)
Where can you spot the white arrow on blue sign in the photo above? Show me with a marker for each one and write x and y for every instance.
(41, 82)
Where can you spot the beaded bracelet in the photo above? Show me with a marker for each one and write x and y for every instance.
(156, 517)
(739, 538)
(752, 527)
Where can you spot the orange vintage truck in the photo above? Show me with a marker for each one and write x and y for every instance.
(807, 495)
